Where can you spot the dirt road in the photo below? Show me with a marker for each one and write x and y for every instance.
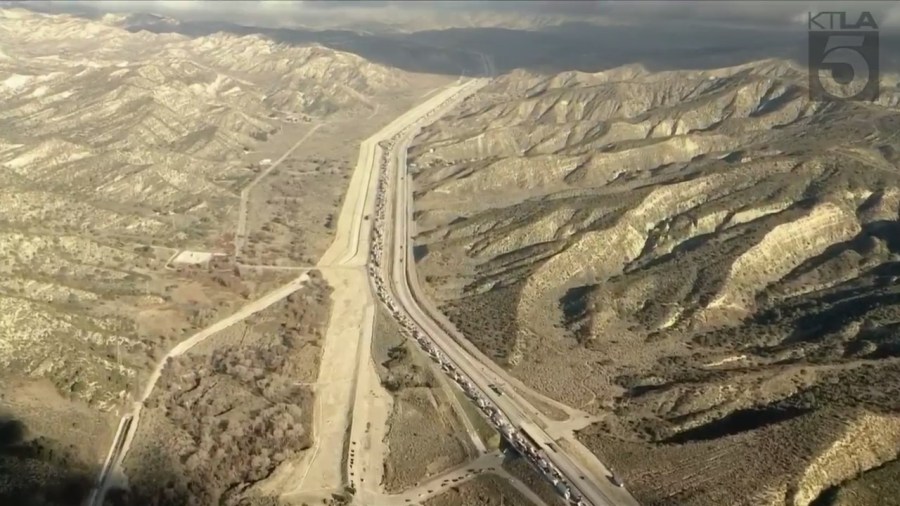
(349, 395)
(112, 470)
(240, 233)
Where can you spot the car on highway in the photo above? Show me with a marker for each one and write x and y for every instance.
(388, 279)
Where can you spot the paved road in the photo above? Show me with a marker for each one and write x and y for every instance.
(349, 395)
(402, 279)
(488, 463)
(347, 376)
(450, 390)
(372, 406)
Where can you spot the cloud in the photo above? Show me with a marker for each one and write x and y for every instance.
(775, 15)
(757, 14)
(248, 12)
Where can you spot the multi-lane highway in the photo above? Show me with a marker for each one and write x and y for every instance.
(394, 264)
(349, 396)
(373, 233)
(595, 486)
(367, 450)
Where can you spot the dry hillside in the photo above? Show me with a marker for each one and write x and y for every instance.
(706, 259)
(118, 150)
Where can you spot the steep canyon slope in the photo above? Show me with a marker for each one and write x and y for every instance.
(706, 259)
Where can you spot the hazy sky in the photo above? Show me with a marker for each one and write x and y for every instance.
(771, 14)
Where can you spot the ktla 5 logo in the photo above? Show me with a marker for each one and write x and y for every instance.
(843, 57)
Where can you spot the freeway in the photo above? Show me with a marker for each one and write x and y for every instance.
(349, 398)
(347, 382)
(365, 462)
(585, 480)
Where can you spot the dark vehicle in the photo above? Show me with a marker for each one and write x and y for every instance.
(616, 481)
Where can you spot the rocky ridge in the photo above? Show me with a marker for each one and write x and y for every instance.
(118, 149)
(673, 250)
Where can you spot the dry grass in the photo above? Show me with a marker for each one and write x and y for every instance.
(292, 213)
(225, 416)
(425, 436)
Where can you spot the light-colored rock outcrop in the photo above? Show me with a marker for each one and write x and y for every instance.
(783, 249)
(620, 236)
(867, 442)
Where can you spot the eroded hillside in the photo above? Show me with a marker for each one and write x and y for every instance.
(121, 150)
(706, 259)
